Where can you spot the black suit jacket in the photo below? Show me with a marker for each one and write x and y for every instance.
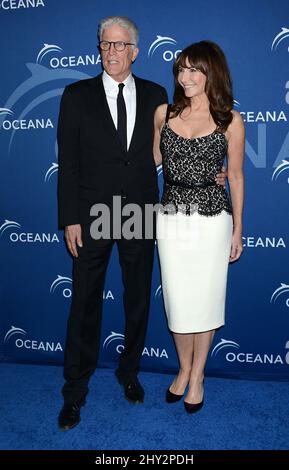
(93, 166)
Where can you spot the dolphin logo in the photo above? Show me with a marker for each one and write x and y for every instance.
(159, 170)
(112, 337)
(46, 49)
(280, 168)
(224, 343)
(284, 33)
(281, 290)
(39, 75)
(158, 292)
(53, 169)
(58, 281)
(4, 111)
(8, 224)
(13, 331)
(160, 41)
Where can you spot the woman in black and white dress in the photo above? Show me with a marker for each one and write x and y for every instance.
(199, 229)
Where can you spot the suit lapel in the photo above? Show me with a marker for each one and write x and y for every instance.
(103, 108)
(140, 115)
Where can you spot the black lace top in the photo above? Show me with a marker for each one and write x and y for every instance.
(189, 170)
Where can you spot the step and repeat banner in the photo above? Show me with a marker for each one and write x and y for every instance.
(47, 44)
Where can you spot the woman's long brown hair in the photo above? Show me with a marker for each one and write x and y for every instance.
(209, 58)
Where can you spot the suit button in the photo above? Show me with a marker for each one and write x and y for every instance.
(127, 163)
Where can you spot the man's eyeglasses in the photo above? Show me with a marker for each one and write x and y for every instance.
(118, 45)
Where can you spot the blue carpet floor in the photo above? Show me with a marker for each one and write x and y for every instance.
(237, 414)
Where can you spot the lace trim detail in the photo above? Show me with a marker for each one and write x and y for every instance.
(206, 201)
(190, 209)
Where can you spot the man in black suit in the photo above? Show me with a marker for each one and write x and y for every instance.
(105, 138)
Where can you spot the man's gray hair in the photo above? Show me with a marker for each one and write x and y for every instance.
(122, 21)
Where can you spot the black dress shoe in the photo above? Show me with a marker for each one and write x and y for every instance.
(69, 416)
(172, 397)
(193, 407)
(133, 390)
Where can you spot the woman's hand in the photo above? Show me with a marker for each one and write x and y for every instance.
(237, 246)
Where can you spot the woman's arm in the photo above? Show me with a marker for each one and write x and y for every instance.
(159, 119)
(236, 145)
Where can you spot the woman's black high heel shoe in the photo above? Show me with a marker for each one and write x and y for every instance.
(194, 407)
(172, 397)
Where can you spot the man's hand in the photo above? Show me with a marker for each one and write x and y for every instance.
(221, 177)
(72, 236)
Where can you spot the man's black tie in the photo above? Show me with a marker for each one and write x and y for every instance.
(121, 117)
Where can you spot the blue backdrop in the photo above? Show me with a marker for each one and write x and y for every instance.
(47, 44)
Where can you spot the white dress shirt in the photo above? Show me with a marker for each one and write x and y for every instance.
(129, 94)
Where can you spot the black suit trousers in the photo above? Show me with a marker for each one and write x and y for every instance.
(84, 322)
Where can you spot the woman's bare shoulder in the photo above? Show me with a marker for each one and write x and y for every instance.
(161, 110)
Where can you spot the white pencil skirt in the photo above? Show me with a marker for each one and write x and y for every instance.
(194, 254)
